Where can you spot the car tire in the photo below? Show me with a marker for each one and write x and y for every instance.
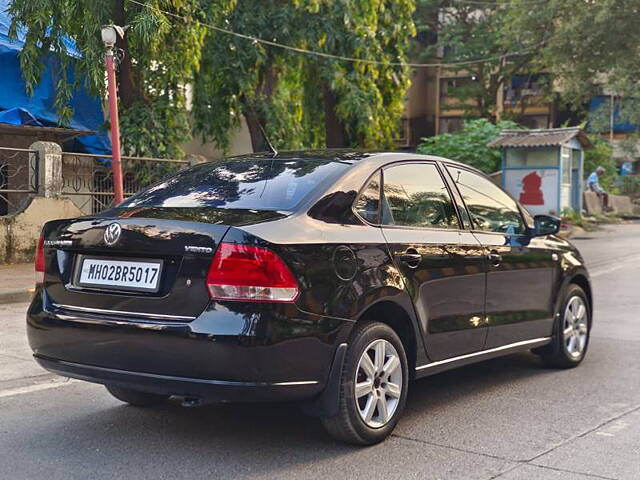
(372, 416)
(135, 397)
(571, 331)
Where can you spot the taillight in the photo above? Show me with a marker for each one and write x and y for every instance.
(39, 261)
(249, 273)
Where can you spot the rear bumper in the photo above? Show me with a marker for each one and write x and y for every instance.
(231, 352)
(210, 390)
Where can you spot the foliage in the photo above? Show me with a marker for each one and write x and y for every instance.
(630, 185)
(366, 98)
(625, 111)
(470, 144)
(601, 155)
(243, 78)
(569, 215)
(467, 31)
(160, 55)
(300, 100)
(590, 45)
(281, 91)
(589, 49)
(153, 130)
(576, 219)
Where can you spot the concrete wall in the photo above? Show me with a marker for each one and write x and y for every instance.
(592, 203)
(619, 204)
(20, 232)
(240, 144)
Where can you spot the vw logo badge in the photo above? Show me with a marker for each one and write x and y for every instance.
(112, 233)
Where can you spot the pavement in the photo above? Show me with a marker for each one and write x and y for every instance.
(16, 282)
(507, 418)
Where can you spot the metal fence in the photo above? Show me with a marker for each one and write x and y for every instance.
(88, 179)
(18, 177)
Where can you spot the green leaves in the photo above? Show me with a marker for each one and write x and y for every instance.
(47, 22)
(591, 48)
(495, 32)
(154, 130)
(601, 155)
(595, 43)
(166, 51)
(369, 97)
(470, 145)
(286, 91)
(159, 57)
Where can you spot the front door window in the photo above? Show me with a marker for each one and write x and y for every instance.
(491, 209)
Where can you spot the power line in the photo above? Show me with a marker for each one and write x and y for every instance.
(305, 51)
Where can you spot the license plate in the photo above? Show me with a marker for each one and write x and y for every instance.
(136, 275)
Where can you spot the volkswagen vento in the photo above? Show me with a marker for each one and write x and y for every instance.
(332, 278)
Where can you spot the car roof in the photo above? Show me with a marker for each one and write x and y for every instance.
(345, 156)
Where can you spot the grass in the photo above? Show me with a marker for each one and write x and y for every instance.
(589, 223)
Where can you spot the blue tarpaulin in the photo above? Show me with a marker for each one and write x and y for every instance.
(17, 107)
(19, 116)
(619, 126)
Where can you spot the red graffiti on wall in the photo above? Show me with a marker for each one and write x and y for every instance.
(531, 191)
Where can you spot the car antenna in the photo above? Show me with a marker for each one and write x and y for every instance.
(266, 139)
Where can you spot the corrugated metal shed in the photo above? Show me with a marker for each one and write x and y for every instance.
(552, 137)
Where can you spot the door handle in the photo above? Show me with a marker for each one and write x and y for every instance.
(411, 258)
(495, 258)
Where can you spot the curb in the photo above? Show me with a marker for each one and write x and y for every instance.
(16, 296)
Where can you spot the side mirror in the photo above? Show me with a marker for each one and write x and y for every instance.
(545, 225)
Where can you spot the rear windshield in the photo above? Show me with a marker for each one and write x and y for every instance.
(248, 184)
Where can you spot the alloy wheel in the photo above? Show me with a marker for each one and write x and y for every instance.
(575, 327)
(378, 384)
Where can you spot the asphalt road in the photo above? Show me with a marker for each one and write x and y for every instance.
(508, 418)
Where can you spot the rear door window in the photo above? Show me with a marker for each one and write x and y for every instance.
(415, 195)
(259, 184)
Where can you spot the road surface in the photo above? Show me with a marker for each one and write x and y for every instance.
(507, 418)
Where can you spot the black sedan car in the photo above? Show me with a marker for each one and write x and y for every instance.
(330, 278)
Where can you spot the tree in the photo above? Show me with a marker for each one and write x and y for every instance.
(591, 50)
(469, 145)
(265, 85)
(363, 101)
(301, 100)
(590, 44)
(159, 55)
(471, 31)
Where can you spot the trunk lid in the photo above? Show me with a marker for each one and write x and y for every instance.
(181, 240)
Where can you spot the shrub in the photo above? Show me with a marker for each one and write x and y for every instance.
(601, 155)
(630, 184)
(470, 144)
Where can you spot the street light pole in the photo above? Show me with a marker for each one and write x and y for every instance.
(109, 39)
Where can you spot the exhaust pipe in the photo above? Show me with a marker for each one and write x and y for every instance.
(190, 402)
